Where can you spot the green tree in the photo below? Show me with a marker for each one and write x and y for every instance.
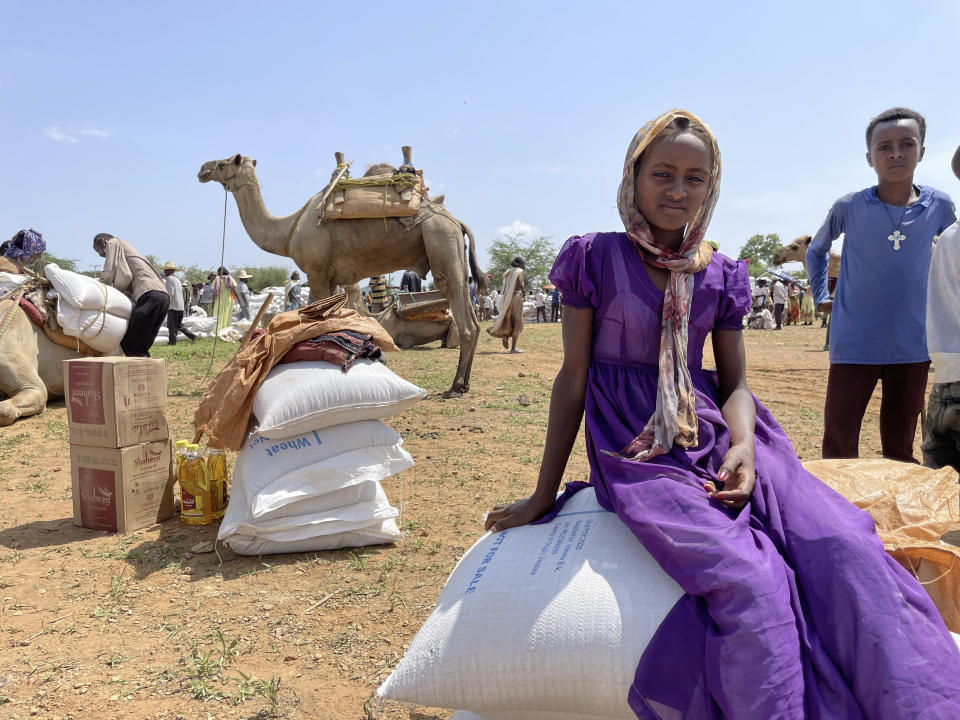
(269, 276)
(538, 253)
(759, 250)
(66, 263)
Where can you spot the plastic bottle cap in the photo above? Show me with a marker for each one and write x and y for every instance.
(193, 446)
(182, 443)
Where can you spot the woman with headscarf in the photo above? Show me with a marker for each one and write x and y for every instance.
(793, 609)
(509, 323)
(23, 248)
(223, 285)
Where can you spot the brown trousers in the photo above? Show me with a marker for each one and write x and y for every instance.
(849, 388)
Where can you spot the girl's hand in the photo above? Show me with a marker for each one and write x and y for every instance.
(737, 475)
(520, 512)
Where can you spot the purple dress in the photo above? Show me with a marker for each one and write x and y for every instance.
(793, 609)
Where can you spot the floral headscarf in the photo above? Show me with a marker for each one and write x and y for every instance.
(675, 418)
(25, 246)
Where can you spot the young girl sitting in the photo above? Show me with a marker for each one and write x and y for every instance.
(793, 609)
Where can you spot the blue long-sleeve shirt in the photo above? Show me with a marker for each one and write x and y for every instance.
(879, 305)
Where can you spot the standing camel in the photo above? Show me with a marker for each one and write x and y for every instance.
(797, 252)
(343, 252)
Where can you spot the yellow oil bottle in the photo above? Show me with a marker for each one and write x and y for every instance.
(179, 452)
(217, 472)
(196, 506)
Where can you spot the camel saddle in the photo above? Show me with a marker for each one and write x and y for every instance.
(42, 314)
(391, 195)
(428, 306)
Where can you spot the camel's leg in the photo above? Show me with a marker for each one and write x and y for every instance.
(453, 336)
(19, 379)
(321, 286)
(443, 242)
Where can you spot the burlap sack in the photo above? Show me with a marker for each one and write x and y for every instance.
(913, 507)
(375, 196)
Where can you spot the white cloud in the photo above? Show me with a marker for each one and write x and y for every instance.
(59, 135)
(519, 228)
(73, 135)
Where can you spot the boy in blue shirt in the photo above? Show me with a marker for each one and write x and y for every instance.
(879, 308)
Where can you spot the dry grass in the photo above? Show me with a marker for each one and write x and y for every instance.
(137, 626)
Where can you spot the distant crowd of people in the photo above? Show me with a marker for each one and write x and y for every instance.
(781, 303)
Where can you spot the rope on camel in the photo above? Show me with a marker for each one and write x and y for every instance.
(223, 249)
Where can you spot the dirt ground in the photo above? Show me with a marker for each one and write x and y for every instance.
(137, 626)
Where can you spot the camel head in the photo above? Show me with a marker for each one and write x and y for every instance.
(232, 172)
(794, 252)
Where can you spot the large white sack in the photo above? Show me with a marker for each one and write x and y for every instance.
(326, 476)
(101, 331)
(284, 470)
(527, 715)
(11, 281)
(365, 523)
(230, 334)
(540, 621)
(378, 533)
(201, 323)
(302, 396)
(342, 497)
(87, 293)
(535, 715)
(323, 522)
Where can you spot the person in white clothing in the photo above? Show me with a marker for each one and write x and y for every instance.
(175, 310)
(540, 302)
(941, 430)
(242, 292)
(780, 298)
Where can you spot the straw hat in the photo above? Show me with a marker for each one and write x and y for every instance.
(242, 275)
(170, 265)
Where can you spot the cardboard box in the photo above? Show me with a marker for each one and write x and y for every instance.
(122, 489)
(116, 401)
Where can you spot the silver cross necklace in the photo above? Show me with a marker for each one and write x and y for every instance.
(896, 237)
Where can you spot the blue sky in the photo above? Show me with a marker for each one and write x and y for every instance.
(520, 112)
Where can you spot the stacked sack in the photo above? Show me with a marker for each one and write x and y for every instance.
(308, 477)
(88, 309)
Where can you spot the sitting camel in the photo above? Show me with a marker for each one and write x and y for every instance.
(343, 252)
(31, 364)
(407, 333)
(797, 252)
